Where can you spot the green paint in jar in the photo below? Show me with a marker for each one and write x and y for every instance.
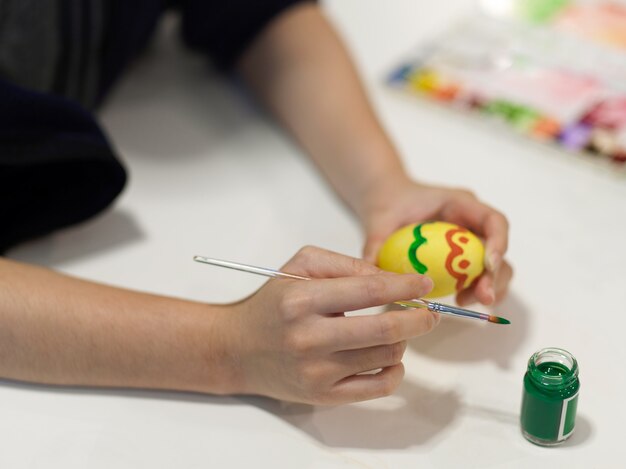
(550, 397)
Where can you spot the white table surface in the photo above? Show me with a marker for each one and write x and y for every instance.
(212, 175)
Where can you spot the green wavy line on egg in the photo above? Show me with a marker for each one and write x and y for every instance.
(419, 240)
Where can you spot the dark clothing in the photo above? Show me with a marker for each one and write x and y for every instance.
(60, 57)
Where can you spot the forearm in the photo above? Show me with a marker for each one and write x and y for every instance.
(61, 330)
(301, 70)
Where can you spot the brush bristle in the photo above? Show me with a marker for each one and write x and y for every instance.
(498, 320)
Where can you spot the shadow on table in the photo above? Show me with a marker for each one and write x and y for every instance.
(582, 432)
(581, 435)
(413, 416)
(112, 229)
(462, 340)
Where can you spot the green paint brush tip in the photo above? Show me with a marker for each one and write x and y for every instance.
(498, 320)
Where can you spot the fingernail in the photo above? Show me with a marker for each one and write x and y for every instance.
(492, 261)
(428, 283)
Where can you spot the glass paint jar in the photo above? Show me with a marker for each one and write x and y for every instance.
(550, 397)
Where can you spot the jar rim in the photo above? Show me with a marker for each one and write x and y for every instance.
(553, 355)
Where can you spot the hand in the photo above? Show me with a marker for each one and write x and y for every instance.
(399, 203)
(294, 343)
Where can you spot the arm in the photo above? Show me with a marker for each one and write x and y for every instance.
(286, 341)
(61, 330)
(299, 68)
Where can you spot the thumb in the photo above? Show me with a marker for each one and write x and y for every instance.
(373, 243)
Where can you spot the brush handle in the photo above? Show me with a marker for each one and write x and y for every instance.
(248, 268)
(444, 309)
(415, 303)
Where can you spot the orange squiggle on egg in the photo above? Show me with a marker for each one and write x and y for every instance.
(455, 251)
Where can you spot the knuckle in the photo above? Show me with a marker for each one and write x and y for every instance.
(299, 344)
(388, 329)
(307, 252)
(294, 303)
(421, 284)
(395, 352)
(429, 321)
(302, 258)
(355, 265)
(500, 218)
(310, 376)
(465, 194)
(376, 288)
(387, 388)
(510, 271)
(389, 385)
(360, 267)
(323, 398)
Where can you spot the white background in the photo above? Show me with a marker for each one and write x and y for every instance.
(211, 175)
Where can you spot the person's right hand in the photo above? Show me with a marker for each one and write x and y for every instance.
(291, 341)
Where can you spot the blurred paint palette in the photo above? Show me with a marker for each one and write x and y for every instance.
(554, 70)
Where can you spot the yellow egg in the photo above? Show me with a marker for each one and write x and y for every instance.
(452, 256)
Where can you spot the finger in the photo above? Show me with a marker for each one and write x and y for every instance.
(316, 262)
(484, 221)
(359, 332)
(375, 240)
(481, 290)
(496, 231)
(371, 248)
(352, 293)
(466, 297)
(484, 289)
(364, 387)
(351, 362)
(488, 289)
(505, 274)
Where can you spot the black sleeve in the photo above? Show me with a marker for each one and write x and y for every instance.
(223, 29)
(56, 166)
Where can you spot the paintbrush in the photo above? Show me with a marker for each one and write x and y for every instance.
(414, 303)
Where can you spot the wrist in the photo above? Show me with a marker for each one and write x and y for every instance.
(217, 350)
(381, 193)
(384, 178)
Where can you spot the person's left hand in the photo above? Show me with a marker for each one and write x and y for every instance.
(404, 202)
